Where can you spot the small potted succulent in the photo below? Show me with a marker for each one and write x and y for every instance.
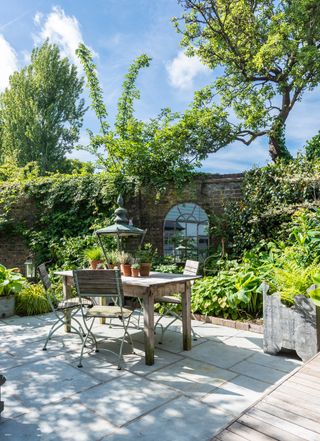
(135, 270)
(145, 257)
(112, 259)
(11, 282)
(95, 256)
(125, 260)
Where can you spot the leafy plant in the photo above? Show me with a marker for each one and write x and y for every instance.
(94, 253)
(11, 281)
(135, 266)
(32, 300)
(146, 254)
(112, 257)
(124, 258)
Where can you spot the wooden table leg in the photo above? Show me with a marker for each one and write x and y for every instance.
(148, 313)
(186, 317)
(66, 295)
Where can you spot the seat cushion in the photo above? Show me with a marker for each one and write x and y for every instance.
(74, 302)
(168, 299)
(108, 311)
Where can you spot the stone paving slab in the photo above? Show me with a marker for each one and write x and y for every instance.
(185, 395)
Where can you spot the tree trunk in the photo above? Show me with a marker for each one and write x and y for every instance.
(277, 150)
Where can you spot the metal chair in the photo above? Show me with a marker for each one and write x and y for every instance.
(106, 285)
(59, 308)
(170, 302)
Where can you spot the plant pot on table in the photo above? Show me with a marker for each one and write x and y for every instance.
(94, 264)
(145, 269)
(125, 269)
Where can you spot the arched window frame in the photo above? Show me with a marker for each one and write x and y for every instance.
(187, 213)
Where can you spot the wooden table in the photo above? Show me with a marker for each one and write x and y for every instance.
(149, 288)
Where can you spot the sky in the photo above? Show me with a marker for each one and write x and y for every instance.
(117, 31)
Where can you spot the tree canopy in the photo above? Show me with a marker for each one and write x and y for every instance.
(41, 111)
(152, 152)
(266, 54)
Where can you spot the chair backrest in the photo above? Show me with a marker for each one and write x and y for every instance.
(99, 283)
(191, 268)
(44, 276)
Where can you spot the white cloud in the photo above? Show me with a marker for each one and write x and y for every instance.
(61, 29)
(182, 70)
(8, 62)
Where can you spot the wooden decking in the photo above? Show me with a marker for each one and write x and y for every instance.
(290, 412)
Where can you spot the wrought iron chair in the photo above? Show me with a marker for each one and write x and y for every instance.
(106, 285)
(59, 308)
(168, 303)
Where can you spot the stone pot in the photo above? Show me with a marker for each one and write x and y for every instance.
(125, 269)
(135, 272)
(7, 305)
(295, 328)
(94, 264)
(145, 269)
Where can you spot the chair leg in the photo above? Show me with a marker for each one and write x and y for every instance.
(89, 332)
(125, 327)
(52, 330)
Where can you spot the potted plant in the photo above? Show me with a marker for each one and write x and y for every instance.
(95, 256)
(291, 316)
(145, 257)
(112, 259)
(11, 282)
(125, 260)
(135, 270)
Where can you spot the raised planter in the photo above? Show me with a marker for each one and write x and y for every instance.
(7, 305)
(296, 328)
(2, 381)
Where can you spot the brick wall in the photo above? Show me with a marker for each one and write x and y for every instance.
(207, 190)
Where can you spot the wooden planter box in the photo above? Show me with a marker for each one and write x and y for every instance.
(295, 328)
(7, 304)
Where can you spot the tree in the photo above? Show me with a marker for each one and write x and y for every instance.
(41, 112)
(151, 152)
(269, 55)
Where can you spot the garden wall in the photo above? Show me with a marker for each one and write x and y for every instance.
(207, 190)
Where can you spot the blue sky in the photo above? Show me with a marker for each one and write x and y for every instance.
(118, 31)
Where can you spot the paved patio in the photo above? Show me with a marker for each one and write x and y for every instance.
(184, 396)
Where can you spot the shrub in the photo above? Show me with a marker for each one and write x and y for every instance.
(11, 281)
(32, 300)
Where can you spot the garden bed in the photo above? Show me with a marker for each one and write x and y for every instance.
(253, 326)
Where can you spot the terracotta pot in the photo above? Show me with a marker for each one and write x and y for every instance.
(95, 263)
(145, 269)
(125, 269)
(135, 272)
(110, 265)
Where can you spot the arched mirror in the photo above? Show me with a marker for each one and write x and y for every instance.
(186, 232)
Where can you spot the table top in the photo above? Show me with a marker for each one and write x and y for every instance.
(154, 278)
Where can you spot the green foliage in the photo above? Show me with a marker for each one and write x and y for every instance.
(266, 50)
(271, 195)
(124, 258)
(135, 266)
(152, 153)
(112, 257)
(11, 281)
(289, 266)
(168, 268)
(146, 254)
(42, 112)
(312, 148)
(94, 253)
(32, 300)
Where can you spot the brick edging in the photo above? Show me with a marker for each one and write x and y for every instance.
(243, 326)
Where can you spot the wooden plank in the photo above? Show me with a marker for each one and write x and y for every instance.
(289, 399)
(310, 371)
(226, 435)
(285, 414)
(247, 432)
(294, 408)
(301, 389)
(298, 394)
(279, 423)
(304, 380)
(268, 429)
(314, 379)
